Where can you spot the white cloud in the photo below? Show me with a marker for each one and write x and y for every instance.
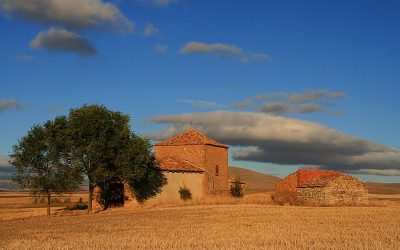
(275, 108)
(283, 140)
(223, 51)
(69, 13)
(9, 104)
(311, 108)
(203, 103)
(285, 102)
(57, 39)
(150, 30)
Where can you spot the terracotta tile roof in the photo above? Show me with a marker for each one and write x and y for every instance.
(306, 175)
(190, 137)
(319, 181)
(176, 164)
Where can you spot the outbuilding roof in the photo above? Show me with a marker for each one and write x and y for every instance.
(320, 181)
(179, 165)
(190, 137)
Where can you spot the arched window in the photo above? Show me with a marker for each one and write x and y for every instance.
(216, 170)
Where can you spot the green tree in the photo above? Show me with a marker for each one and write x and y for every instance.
(108, 154)
(98, 136)
(43, 161)
(140, 169)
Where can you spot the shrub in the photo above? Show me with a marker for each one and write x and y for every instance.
(236, 189)
(185, 193)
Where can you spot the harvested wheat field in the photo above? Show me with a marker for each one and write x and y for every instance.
(212, 227)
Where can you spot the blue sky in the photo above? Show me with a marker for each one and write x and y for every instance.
(152, 58)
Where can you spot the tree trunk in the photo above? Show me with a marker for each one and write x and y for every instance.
(90, 196)
(48, 203)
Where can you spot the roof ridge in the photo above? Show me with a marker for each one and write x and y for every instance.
(190, 137)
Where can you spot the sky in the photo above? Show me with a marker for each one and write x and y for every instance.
(287, 84)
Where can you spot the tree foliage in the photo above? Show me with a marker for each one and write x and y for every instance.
(43, 161)
(98, 136)
(236, 189)
(92, 143)
(109, 155)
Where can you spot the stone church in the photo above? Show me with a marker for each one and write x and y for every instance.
(194, 161)
(190, 160)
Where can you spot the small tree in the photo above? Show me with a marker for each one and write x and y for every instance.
(185, 193)
(42, 160)
(236, 189)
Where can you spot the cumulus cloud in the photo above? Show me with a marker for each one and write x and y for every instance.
(314, 95)
(222, 50)
(311, 108)
(157, 3)
(160, 48)
(69, 13)
(150, 30)
(203, 103)
(249, 101)
(275, 108)
(9, 104)
(283, 140)
(57, 39)
(284, 102)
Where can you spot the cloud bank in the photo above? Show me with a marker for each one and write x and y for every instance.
(284, 102)
(222, 50)
(203, 103)
(56, 39)
(282, 140)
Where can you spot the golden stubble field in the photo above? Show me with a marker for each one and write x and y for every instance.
(240, 226)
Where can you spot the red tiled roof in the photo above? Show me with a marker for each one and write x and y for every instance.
(306, 175)
(190, 137)
(320, 181)
(176, 164)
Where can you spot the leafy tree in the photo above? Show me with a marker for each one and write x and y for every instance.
(108, 154)
(42, 160)
(236, 189)
(98, 136)
(140, 169)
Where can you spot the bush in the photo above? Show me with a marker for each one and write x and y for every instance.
(185, 193)
(236, 189)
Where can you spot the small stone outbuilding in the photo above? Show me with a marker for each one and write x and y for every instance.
(322, 188)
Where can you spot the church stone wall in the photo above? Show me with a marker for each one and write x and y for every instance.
(217, 182)
(191, 180)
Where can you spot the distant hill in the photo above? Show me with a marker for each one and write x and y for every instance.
(8, 185)
(383, 188)
(255, 181)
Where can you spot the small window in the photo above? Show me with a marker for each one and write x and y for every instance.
(216, 170)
